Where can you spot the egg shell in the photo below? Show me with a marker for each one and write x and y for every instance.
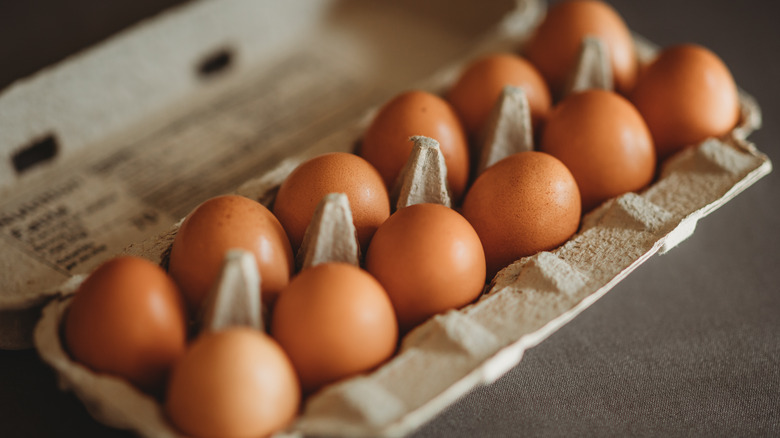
(218, 225)
(556, 42)
(336, 172)
(686, 95)
(605, 143)
(334, 321)
(386, 143)
(128, 319)
(233, 383)
(479, 87)
(429, 260)
(523, 204)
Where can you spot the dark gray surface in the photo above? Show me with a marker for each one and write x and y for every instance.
(689, 344)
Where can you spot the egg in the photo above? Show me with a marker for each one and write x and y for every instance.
(605, 143)
(232, 383)
(336, 172)
(127, 319)
(334, 321)
(429, 260)
(386, 143)
(526, 203)
(479, 87)
(686, 95)
(556, 43)
(218, 225)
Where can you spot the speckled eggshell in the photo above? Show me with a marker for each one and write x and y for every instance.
(336, 172)
(480, 85)
(234, 383)
(523, 204)
(334, 321)
(429, 260)
(605, 143)
(218, 225)
(686, 95)
(556, 43)
(386, 142)
(128, 319)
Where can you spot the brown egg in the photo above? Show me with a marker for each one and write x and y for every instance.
(386, 143)
(525, 203)
(334, 321)
(480, 85)
(224, 223)
(555, 45)
(128, 319)
(336, 172)
(604, 142)
(233, 383)
(686, 95)
(429, 260)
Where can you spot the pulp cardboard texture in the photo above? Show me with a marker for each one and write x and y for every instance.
(331, 236)
(508, 128)
(235, 298)
(424, 176)
(452, 353)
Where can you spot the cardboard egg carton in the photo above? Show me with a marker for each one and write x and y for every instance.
(452, 353)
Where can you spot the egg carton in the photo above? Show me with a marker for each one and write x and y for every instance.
(452, 353)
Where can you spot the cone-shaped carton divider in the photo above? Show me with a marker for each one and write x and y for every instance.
(593, 68)
(331, 235)
(235, 298)
(508, 130)
(424, 177)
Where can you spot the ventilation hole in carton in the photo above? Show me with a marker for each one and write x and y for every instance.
(215, 63)
(39, 151)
